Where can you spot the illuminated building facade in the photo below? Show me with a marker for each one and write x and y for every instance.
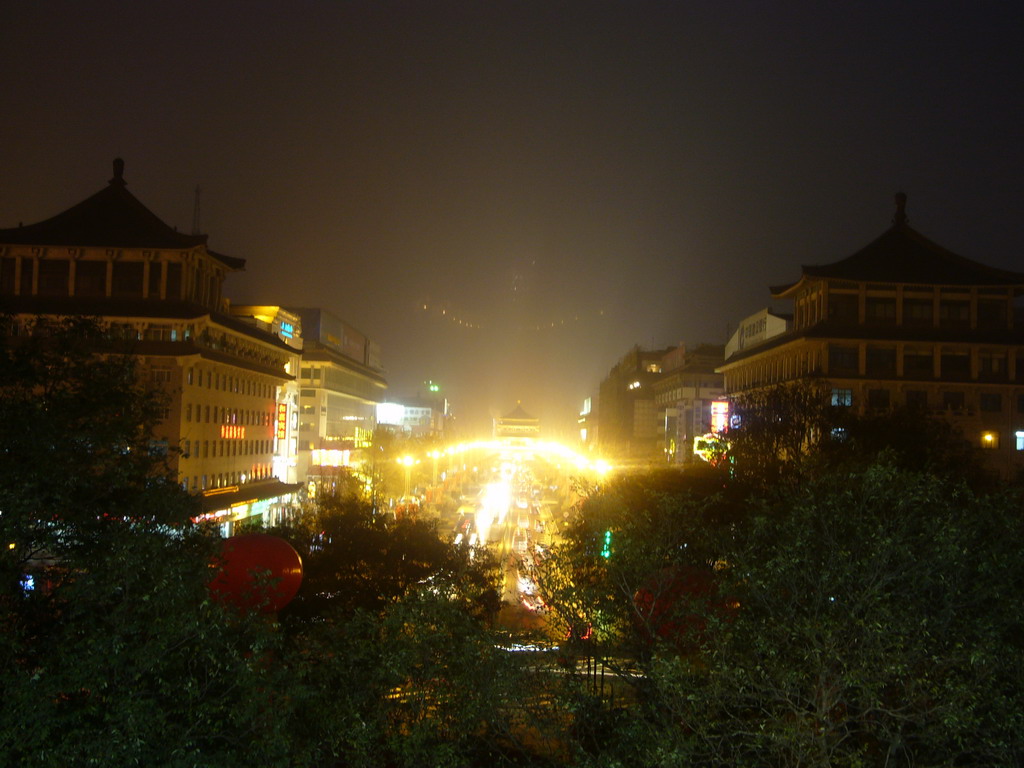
(684, 396)
(340, 386)
(287, 327)
(905, 322)
(517, 427)
(627, 414)
(110, 257)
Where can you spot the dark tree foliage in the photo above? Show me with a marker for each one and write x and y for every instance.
(866, 618)
(78, 455)
(355, 560)
(115, 655)
(781, 428)
(876, 625)
(789, 433)
(910, 439)
(635, 560)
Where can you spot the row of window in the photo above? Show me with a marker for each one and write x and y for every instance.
(337, 379)
(212, 449)
(918, 312)
(881, 399)
(919, 363)
(127, 279)
(225, 479)
(225, 383)
(216, 414)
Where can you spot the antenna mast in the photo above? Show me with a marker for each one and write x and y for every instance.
(195, 212)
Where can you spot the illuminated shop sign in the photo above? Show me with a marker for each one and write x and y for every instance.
(331, 458)
(232, 432)
(710, 447)
(719, 416)
(288, 330)
(282, 420)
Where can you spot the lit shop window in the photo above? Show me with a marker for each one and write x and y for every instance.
(1020, 441)
(842, 397)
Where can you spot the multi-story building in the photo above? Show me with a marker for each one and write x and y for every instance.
(627, 415)
(112, 258)
(287, 327)
(517, 427)
(684, 396)
(905, 322)
(340, 387)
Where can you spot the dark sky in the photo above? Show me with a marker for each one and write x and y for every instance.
(567, 179)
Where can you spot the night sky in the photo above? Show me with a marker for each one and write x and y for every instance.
(507, 196)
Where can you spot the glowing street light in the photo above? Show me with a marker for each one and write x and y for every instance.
(408, 461)
(435, 455)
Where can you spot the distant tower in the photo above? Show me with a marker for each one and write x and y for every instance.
(195, 213)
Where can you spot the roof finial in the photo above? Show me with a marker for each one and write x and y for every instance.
(118, 179)
(900, 217)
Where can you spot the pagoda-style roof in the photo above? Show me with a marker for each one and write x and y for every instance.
(518, 415)
(903, 255)
(111, 218)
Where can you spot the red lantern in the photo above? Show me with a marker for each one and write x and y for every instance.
(257, 570)
(669, 605)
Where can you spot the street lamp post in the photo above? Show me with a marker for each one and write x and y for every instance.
(434, 455)
(408, 461)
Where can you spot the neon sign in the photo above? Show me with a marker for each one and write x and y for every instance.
(719, 416)
(232, 432)
(282, 420)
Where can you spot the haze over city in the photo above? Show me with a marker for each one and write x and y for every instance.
(508, 196)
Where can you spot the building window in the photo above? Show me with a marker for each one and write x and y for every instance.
(842, 308)
(879, 311)
(1020, 403)
(126, 279)
(917, 313)
(991, 402)
(956, 365)
(190, 375)
(843, 360)
(91, 278)
(842, 397)
(188, 412)
(918, 364)
(954, 314)
(953, 401)
(8, 265)
(991, 313)
(173, 281)
(917, 399)
(878, 399)
(53, 277)
(153, 292)
(1020, 441)
(992, 365)
(989, 439)
(880, 361)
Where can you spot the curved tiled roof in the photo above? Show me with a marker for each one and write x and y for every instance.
(111, 218)
(903, 255)
(518, 414)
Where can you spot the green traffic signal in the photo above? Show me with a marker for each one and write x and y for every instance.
(606, 550)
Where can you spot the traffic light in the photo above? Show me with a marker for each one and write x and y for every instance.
(606, 549)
